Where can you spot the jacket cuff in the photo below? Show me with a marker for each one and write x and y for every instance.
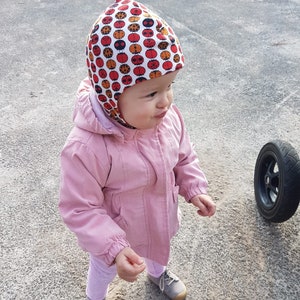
(114, 250)
(188, 195)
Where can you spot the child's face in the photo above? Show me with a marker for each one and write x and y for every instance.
(144, 105)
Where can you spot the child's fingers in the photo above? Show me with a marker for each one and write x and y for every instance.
(210, 207)
(203, 211)
(134, 269)
(134, 258)
(206, 209)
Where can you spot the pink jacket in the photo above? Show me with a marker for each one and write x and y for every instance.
(119, 186)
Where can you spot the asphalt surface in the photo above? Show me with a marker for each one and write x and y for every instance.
(240, 88)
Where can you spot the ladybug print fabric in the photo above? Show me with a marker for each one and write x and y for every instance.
(127, 45)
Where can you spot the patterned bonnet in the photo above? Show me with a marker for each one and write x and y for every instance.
(127, 45)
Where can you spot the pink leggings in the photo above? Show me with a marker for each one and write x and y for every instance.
(100, 276)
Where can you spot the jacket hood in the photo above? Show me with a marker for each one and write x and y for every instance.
(89, 115)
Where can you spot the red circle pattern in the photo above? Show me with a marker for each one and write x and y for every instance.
(127, 45)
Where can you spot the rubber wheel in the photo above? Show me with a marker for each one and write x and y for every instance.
(277, 181)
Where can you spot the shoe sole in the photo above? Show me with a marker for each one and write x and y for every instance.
(181, 296)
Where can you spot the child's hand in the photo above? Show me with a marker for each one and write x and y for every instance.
(207, 207)
(129, 265)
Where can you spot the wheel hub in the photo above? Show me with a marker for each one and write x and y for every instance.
(267, 180)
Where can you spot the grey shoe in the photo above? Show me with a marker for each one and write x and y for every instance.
(170, 285)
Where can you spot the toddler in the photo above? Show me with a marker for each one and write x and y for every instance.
(129, 155)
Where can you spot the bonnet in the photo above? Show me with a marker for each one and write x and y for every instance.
(128, 44)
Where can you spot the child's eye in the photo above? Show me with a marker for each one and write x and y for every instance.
(151, 95)
(170, 85)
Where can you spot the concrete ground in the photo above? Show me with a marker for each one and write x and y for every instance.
(240, 88)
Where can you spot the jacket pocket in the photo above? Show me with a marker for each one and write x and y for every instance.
(130, 216)
(121, 222)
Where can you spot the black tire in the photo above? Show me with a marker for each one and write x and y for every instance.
(277, 181)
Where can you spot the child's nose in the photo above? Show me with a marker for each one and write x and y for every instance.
(163, 101)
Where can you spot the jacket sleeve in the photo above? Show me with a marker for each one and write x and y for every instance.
(189, 176)
(82, 204)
